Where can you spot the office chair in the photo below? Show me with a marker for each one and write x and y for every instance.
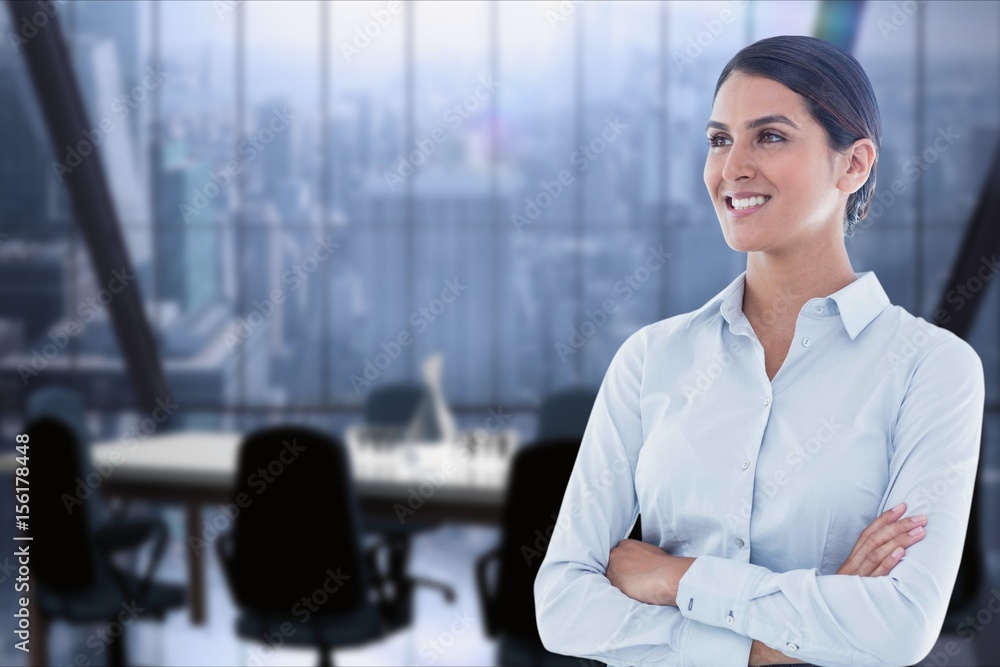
(394, 408)
(293, 559)
(507, 598)
(565, 413)
(72, 547)
(971, 579)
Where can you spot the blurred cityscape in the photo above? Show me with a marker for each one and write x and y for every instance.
(283, 238)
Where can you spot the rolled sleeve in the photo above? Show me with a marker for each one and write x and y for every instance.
(888, 620)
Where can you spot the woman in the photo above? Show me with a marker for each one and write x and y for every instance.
(773, 439)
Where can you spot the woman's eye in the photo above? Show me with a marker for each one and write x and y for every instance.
(715, 141)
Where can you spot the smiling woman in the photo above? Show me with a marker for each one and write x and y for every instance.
(773, 496)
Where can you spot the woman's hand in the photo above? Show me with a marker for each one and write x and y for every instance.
(883, 543)
(646, 573)
(876, 552)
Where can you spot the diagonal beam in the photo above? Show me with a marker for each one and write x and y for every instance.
(55, 85)
(974, 265)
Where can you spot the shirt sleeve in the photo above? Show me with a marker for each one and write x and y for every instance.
(578, 611)
(893, 619)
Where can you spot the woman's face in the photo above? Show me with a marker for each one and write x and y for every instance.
(784, 157)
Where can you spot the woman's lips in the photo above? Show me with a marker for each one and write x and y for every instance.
(742, 213)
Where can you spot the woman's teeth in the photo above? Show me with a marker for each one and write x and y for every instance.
(749, 202)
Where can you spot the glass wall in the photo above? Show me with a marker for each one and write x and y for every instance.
(318, 197)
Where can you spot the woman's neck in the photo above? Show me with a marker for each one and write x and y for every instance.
(778, 286)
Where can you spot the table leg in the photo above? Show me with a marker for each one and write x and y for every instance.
(195, 564)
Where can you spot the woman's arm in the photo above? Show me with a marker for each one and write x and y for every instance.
(650, 575)
(578, 611)
(890, 620)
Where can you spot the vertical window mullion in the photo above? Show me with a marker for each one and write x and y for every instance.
(240, 196)
(494, 58)
(578, 37)
(324, 102)
(408, 222)
(918, 236)
(664, 127)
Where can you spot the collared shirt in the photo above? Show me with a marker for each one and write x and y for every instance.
(769, 484)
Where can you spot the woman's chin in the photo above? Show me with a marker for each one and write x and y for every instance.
(744, 240)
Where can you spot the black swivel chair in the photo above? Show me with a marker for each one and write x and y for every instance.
(294, 561)
(507, 596)
(972, 578)
(393, 408)
(564, 413)
(72, 545)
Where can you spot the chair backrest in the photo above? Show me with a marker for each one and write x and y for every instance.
(565, 413)
(297, 532)
(535, 488)
(395, 405)
(61, 492)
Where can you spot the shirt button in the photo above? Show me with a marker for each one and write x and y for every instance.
(767, 401)
(806, 342)
(739, 543)
(729, 619)
(746, 464)
(818, 309)
(792, 647)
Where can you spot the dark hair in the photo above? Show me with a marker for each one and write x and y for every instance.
(837, 94)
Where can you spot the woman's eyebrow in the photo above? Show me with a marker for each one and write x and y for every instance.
(753, 124)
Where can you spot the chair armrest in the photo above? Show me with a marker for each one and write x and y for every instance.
(120, 534)
(487, 593)
(446, 590)
(378, 579)
(111, 541)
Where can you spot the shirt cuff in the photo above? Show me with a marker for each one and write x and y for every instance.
(716, 591)
(708, 646)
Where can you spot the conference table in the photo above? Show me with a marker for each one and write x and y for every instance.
(458, 479)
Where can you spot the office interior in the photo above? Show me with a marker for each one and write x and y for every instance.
(418, 231)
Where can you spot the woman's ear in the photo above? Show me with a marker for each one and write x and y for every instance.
(859, 160)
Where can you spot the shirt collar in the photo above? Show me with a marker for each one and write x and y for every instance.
(857, 303)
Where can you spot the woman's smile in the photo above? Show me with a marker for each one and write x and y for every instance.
(741, 207)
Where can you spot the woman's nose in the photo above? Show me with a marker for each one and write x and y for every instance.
(739, 163)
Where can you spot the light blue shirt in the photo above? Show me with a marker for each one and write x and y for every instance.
(769, 485)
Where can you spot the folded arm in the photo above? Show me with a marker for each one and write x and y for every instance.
(578, 611)
(890, 620)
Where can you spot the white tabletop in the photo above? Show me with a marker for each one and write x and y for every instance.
(209, 459)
